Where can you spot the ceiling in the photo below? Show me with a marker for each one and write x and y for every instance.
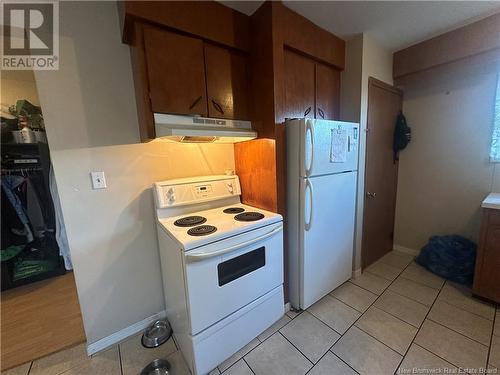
(394, 24)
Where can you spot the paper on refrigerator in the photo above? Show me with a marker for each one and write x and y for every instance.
(339, 145)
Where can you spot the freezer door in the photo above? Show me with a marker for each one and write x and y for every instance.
(328, 206)
(328, 147)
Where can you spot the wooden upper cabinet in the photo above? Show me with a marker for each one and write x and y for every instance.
(312, 89)
(176, 72)
(227, 83)
(327, 92)
(299, 85)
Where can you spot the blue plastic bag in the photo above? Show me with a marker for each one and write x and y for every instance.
(452, 257)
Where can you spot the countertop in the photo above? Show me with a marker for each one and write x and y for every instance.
(492, 201)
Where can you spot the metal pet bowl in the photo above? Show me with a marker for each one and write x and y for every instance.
(156, 334)
(157, 367)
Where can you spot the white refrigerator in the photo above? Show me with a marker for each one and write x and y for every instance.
(322, 163)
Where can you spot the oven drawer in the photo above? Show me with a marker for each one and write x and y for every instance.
(222, 340)
(227, 275)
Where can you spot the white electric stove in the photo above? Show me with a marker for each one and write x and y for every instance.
(222, 266)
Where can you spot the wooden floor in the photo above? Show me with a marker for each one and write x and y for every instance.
(39, 319)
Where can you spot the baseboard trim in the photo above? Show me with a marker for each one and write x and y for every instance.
(356, 273)
(123, 334)
(406, 250)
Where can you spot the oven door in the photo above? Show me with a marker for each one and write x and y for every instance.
(225, 276)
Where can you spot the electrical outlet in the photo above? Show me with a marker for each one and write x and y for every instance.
(98, 180)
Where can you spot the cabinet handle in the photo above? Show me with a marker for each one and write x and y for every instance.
(195, 102)
(307, 111)
(321, 113)
(217, 107)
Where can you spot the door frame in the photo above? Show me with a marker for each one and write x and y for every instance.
(373, 82)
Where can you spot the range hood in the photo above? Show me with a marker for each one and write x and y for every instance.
(195, 129)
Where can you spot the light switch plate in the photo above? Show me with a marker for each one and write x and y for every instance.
(98, 180)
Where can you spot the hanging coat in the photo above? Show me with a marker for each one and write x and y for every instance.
(402, 135)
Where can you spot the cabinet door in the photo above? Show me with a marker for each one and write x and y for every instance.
(299, 86)
(176, 72)
(327, 92)
(227, 83)
(490, 280)
(487, 278)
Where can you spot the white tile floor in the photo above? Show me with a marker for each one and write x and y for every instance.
(397, 318)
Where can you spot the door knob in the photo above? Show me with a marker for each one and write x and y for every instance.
(370, 195)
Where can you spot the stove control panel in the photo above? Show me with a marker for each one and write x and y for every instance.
(181, 192)
(203, 191)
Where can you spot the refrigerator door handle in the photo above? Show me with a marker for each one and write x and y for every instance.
(310, 129)
(309, 220)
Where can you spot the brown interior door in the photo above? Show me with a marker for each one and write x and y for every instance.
(381, 173)
(176, 72)
(299, 85)
(227, 80)
(327, 92)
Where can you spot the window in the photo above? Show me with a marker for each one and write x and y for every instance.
(495, 142)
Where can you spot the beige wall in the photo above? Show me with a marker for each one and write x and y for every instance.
(91, 121)
(364, 58)
(444, 174)
(18, 84)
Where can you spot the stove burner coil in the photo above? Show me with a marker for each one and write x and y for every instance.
(190, 221)
(202, 230)
(233, 210)
(249, 216)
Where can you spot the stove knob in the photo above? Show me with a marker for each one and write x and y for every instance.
(169, 194)
(172, 198)
(230, 188)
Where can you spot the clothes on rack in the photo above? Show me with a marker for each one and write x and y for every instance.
(61, 237)
(9, 186)
(34, 210)
(42, 190)
(29, 225)
(29, 250)
(12, 227)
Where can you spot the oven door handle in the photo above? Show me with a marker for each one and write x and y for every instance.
(201, 256)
